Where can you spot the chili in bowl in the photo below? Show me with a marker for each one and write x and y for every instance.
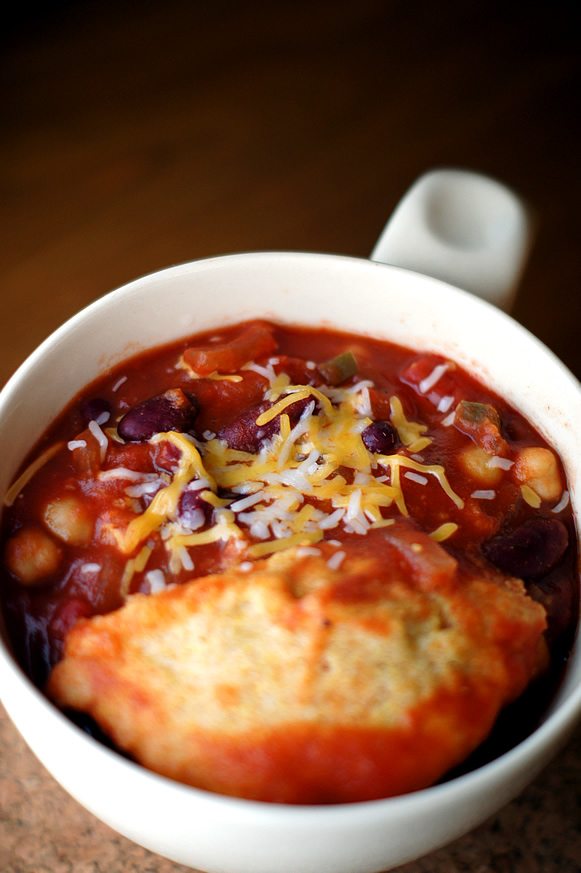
(300, 571)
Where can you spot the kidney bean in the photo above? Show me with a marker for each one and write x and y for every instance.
(95, 408)
(530, 550)
(66, 616)
(172, 410)
(379, 437)
(244, 435)
(193, 510)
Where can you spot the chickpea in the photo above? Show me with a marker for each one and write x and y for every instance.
(476, 464)
(32, 555)
(537, 467)
(69, 520)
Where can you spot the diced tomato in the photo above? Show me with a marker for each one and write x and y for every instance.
(432, 568)
(380, 403)
(254, 342)
(297, 370)
(433, 377)
(221, 400)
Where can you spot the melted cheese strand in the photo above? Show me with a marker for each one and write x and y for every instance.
(394, 462)
(322, 458)
(134, 565)
(444, 531)
(30, 471)
(165, 502)
(409, 432)
(259, 550)
(294, 393)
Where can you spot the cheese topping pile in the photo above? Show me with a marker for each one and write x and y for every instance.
(308, 479)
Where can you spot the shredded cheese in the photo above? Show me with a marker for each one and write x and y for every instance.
(315, 476)
(444, 531)
(30, 471)
(529, 496)
(260, 550)
(294, 394)
(409, 432)
(164, 504)
(428, 383)
(563, 502)
(134, 565)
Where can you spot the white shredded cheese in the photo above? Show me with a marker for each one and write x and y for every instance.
(354, 505)
(502, 463)
(426, 384)
(123, 473)
(259, 530)
(563, 502)
(119, 383)
(335, 561)
(100, 437)
(267, 372)
(147, 487)
(332, 520)
(186, 559)
(156, 581)
(307, 479)
(484, 494)
(308, 551)
(445, 403)
(416, 477)
(246, 502)
(76, 444)
(90, 568)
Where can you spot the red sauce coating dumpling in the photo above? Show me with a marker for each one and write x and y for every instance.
(295, 680)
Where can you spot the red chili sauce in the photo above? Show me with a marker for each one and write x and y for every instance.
(80, 533)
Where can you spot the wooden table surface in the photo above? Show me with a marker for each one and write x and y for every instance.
(135, 135)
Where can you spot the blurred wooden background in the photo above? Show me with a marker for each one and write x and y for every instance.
(135, 135)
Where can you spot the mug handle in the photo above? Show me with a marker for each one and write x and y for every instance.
(463, 227)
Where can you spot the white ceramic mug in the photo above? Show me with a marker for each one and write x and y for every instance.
(228, 835)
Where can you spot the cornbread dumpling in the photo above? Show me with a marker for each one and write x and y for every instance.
(294, 682)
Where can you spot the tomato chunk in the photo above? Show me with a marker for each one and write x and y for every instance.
(254, 342)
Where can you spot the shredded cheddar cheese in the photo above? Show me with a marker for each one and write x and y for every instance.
(30, 471)
(311, 477)
(530, 496)
(444, 531)
(134, 565)
(410, 432)
(164, 504)
(295, 393)
(260, 550)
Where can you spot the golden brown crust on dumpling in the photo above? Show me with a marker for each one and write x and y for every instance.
(295, 682)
